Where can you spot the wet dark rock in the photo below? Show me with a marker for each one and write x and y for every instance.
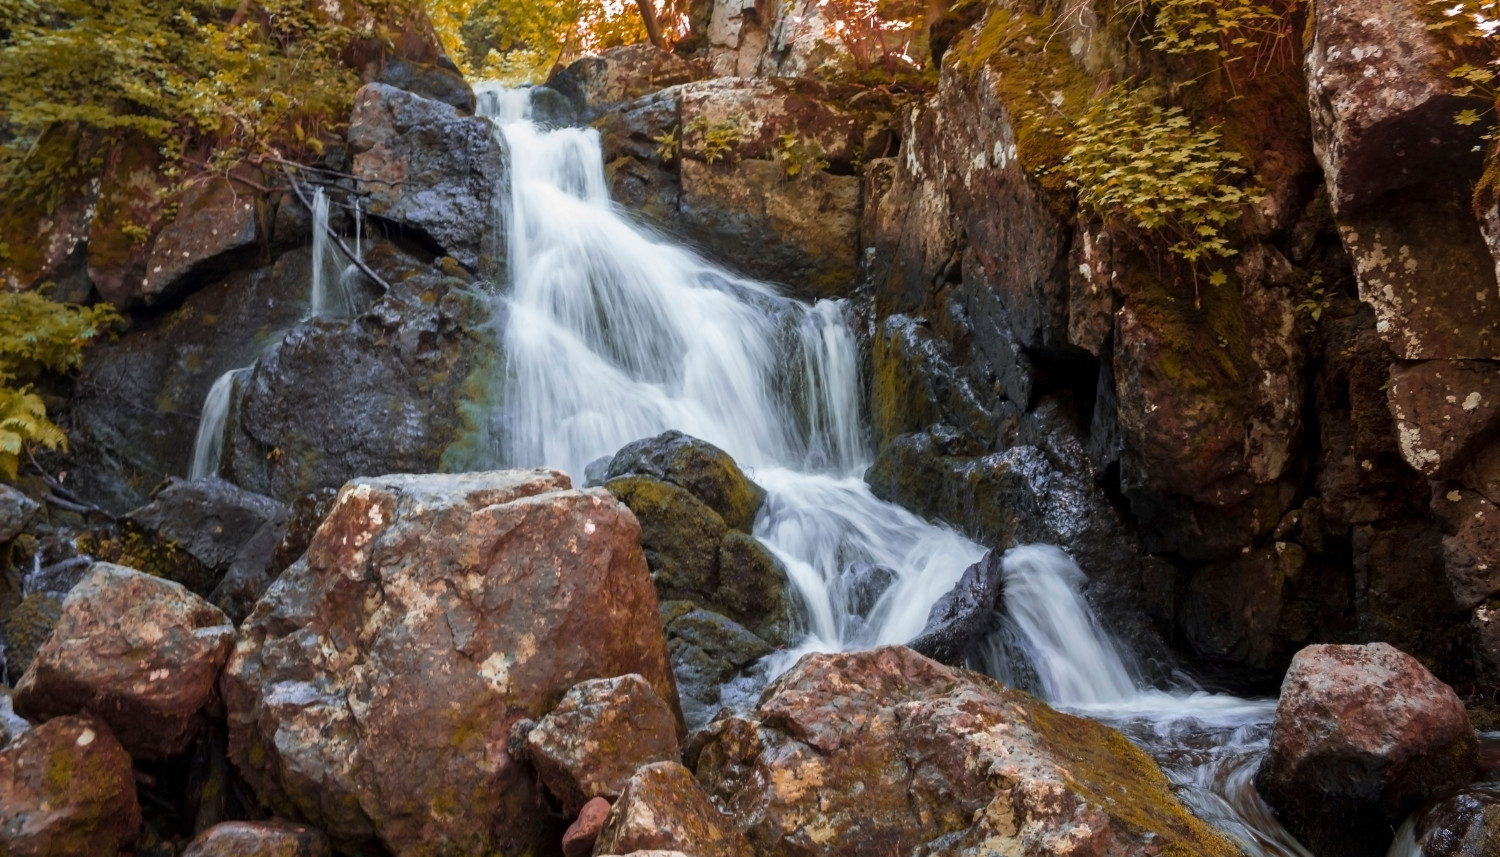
(1471, 545)
(66, 789)
(663, 808)
(16, 511)
(886, 752)
(438, 81)
(965, 614)
(209, 519)
(1363, 735)
(1247, 611)
(396, 407)
(552, 109)
(596, 738)
(501, 590)
(863, 584)
(140, 653)
(1466, 824)
(59, 577)
(251, 572)
(698, 467)
(917, 384)
(707, 650)
(27, 628)
(429, 168)
(259, 839)
(134, 414)
(604, 82)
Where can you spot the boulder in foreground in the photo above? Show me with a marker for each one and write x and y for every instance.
(140, 653)
(1363, 735)
(66, 790)
(888, 752)
(375, 685)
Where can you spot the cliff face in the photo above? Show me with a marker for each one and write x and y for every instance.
(1297, 442)
(1290, 444)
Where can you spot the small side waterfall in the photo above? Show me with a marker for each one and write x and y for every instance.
(208, 446)
(331, 295)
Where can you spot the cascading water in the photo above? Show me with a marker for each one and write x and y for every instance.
(330, 295)
(323, 302)
(611, 334)
(208, 446)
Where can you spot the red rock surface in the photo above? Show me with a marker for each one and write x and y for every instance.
(1363, 735)
(376, 683)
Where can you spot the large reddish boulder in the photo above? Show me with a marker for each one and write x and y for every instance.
(66, 789)
(594, 740)
(140, 653)
(259, 839)
(664, 808)
(887, 752)
(375, 686)
(1363, 735)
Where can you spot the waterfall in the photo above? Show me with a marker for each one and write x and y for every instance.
(612, 333)
(208, 446)
(331, 295)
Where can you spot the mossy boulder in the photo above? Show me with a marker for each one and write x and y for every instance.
(886, 752)
(694, 556)
(67, 789)
(700, 468)
(27, 628)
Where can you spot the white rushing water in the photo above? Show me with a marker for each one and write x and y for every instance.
(612, 333)
(213, 419)
(331, 291)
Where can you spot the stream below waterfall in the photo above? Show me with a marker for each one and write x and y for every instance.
(612, 333)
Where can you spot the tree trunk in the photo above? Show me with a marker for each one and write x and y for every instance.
(653, 26)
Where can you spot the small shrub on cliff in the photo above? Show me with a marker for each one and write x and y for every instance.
(209, 83)
(38, 335)
(1147, 167)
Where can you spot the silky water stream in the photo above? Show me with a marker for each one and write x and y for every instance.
(612, 333)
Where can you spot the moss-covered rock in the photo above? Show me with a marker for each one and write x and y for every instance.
(889, 752)
(699, 467)
(67, 789)
(27, 628)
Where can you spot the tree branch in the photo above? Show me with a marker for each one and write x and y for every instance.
(337, 240)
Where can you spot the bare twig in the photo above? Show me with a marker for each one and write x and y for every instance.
(61, 497)
(337, 240)
(275, 160)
